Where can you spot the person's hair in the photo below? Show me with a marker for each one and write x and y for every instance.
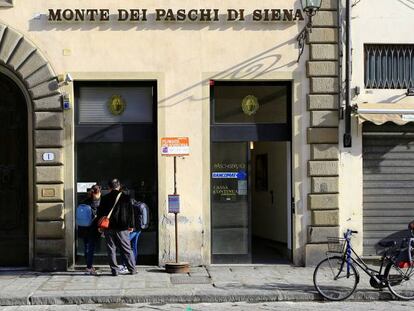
(114, 183)
(96, 188)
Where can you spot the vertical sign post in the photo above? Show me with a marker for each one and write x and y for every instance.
(173, 147)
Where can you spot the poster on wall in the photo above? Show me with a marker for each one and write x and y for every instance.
(229, 186)
(175, 146)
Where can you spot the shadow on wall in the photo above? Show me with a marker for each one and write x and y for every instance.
(408, 3)
(252, 68)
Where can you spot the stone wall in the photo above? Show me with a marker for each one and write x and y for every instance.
(323, 101)
(21, 57)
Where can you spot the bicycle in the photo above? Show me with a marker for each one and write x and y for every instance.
(336, 277)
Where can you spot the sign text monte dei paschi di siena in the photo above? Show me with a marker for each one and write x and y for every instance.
(171, 15)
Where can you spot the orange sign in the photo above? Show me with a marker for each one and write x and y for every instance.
(175, 146)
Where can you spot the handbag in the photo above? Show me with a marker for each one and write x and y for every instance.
(103, 222)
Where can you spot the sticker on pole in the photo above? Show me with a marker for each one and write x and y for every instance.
(173, 203)
(175, 146)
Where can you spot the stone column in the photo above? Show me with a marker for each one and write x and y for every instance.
(322, 135)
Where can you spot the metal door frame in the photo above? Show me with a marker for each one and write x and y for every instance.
(258, 132)
(131, 127)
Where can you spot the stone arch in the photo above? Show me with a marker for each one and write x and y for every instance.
(32, 72)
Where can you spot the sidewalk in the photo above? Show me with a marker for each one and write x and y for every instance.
(153, 285)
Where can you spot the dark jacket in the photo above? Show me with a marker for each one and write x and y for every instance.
(122, 216)
(92, 230)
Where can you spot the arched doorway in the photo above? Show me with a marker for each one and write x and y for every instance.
(14, 219)
(32, 201)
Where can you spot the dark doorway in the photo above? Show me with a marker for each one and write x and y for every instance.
(116, 136)
(14, 233)
(250, 171)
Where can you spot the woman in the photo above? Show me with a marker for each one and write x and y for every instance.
(90, 234)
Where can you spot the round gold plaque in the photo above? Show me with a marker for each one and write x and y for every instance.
(250, 105)
(116, 105)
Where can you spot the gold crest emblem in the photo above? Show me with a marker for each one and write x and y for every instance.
(250, 105)
(116, 105)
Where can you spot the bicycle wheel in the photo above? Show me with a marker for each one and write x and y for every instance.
(332, 280)
(400, 281)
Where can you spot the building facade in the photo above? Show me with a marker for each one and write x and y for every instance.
(375, 173)
(89, 91)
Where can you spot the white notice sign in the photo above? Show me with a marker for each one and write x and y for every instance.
(48, 156)
(83, 186)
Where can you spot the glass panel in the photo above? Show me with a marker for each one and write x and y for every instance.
(131, 104)
(134, 164)
(250, 103)
(230, 200)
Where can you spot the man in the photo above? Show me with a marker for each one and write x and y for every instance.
(120, 225)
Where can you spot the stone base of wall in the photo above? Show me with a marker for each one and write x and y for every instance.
(49, 264)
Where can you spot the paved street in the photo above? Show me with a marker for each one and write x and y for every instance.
(241, 306)
(254, 284)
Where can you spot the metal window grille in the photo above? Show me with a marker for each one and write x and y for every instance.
(389, 66)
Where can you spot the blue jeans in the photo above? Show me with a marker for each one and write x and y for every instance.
(133, 237)
(89, 249)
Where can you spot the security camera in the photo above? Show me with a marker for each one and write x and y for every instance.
(64, 79)
(68, 78)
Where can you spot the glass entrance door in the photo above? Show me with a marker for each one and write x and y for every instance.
(230, 203)
(116, 138)
(250, 135)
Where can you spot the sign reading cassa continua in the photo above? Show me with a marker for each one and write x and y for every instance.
(116, 105)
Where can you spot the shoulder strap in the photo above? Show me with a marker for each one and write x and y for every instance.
(116, 201)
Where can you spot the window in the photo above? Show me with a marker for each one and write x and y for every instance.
(250, 102)
(389, 66)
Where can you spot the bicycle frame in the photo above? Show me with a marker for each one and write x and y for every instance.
(350, 256)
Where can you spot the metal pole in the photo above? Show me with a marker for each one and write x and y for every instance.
(175, 214)
(348, 108)
(175, 175)
(176, 238)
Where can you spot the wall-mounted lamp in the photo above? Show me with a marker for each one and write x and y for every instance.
(410, 91)
(64, 79)
(310, 7)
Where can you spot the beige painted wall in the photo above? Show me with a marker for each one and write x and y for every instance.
(373, 21)
(182, 57)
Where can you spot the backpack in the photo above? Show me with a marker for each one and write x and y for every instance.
(84, 215)
(141, 214)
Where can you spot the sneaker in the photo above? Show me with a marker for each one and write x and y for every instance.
(133, 272)
(91, 271)
(123, 270)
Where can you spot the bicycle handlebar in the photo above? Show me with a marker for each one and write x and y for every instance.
(349, 232)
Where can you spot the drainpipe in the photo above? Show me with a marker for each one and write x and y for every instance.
(348, 68)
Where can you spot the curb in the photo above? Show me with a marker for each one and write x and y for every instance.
(240, 296)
